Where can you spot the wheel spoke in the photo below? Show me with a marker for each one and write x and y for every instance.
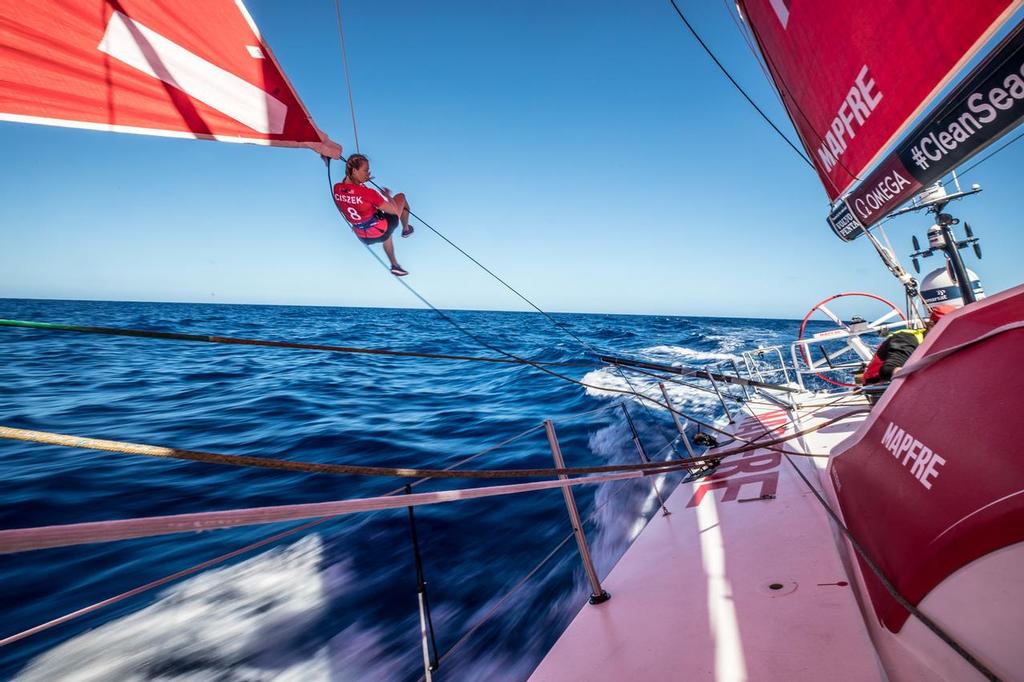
(832, 316)
(883, 318)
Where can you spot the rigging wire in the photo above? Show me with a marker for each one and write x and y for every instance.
(557, 324)
(519, 359)
(738, 87)
(799, 109)
(738, 22)
(176, 336)
(986, 157)
(348, 79)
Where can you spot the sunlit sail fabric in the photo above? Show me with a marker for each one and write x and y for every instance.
(854, 73)
(187, 68)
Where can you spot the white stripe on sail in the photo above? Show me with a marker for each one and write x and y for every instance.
(146, 50)
(781, 11)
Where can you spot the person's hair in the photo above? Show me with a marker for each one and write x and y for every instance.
(355, 161)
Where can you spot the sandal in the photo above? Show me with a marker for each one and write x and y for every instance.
(407, 231)
(397, 271)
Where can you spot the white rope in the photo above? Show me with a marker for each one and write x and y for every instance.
(25, 539)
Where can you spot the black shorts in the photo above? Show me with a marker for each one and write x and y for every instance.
(392, 224)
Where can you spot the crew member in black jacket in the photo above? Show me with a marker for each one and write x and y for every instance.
(894, 352)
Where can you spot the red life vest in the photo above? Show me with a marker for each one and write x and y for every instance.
(359, 205)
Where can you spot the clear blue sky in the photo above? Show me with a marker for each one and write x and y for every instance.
(590, 153)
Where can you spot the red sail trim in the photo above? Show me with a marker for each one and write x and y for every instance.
(193, 68)
(853, 75)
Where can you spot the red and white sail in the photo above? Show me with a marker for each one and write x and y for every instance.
(188, 68)
(853, 74)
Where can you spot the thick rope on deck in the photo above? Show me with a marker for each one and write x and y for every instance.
(25, 539)
(126, 448)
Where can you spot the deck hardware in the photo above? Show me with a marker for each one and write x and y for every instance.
(644, 458)
(705, 439)
(776, 586)
(841, 583)
(597, 594)
(758, 499)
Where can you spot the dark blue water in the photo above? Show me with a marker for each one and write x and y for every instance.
(338, 601)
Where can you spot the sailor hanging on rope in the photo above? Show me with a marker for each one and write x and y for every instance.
(373, 217)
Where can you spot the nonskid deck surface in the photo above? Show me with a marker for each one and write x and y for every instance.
(731, 586)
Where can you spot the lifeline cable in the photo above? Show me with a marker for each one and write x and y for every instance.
(26, 539)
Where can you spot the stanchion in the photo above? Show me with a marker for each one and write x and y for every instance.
(675, 418)
(644, 458)
(430, 660)
(597, 595)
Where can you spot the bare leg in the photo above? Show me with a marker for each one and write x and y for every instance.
(389, 250)
(403, 210)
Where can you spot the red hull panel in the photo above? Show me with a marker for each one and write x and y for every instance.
(935, 479)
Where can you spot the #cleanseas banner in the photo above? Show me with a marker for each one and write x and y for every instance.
(988, 104)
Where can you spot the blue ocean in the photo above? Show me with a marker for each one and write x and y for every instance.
(337, 601)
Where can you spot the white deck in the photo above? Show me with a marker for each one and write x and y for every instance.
(691, 597)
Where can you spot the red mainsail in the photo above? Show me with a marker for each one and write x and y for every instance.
(188, 68)
(854, 73)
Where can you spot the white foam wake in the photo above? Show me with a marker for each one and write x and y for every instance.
(234, 623)
(684, 354)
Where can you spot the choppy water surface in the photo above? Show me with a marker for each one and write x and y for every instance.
(337, 601)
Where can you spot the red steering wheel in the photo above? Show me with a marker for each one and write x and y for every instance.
(873, 325)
